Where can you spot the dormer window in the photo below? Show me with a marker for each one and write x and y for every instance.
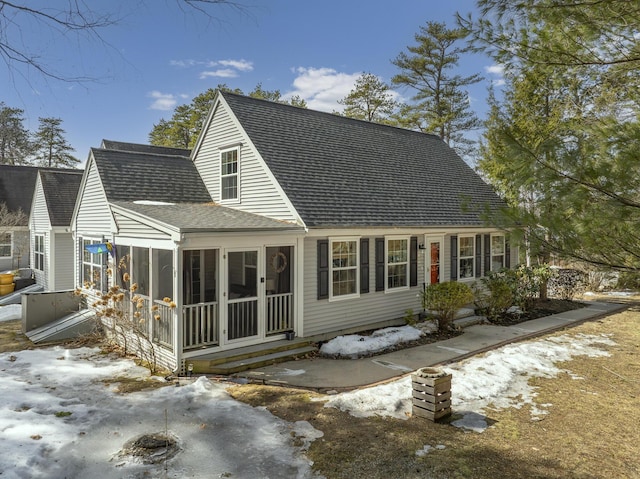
(229, 168)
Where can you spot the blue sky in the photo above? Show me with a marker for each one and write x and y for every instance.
(159, 56)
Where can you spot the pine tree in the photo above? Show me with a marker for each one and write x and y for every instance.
(50, 148)
(440, 103)
(14, 137)
(370, 100)
(562, 145)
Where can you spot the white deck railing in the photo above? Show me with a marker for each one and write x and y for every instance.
(279, 313)
(200, 325)
(162, 324)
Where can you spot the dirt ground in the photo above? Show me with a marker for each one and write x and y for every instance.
(591, 430)
(11, 337)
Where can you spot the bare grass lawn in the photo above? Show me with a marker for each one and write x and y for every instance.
(592, 429)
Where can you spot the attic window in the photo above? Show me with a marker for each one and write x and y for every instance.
(229, 174)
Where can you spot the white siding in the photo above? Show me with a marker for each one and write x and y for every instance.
(94, 215)
(62, 262)
(134, 229)
(324, 316)
(259, 192)
(40, 224)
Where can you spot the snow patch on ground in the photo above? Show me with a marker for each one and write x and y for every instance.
(58, 419)
(10, 312)
(354, 345)
(494, 381)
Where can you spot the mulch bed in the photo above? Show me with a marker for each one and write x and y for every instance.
(542, 308)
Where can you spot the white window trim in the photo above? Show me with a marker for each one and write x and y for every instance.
(386, 263)
(504, 249)
(341, 239)
(10, 244)
(236, 174)
(473, 258)
(38, 254)
(102, 266)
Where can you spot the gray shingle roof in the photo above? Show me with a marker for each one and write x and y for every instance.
(131, 176)
(140, 148)
(17, 184)
(186, 217)
(343, 172)
(60, 192)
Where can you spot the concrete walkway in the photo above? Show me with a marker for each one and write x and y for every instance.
(343, 374)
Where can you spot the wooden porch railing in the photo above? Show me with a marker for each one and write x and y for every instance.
(279, 313)
(162, 324)
(201, 322)
(200, 325)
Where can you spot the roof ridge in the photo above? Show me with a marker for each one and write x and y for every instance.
(143, 153)
(372, 124)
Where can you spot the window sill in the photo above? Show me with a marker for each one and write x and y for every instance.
(346, 297)
(396, 290)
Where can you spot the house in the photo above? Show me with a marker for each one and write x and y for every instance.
(281, 222)
(17, 186)
(52, 246)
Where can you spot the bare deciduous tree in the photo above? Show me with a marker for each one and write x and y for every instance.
(73, 20)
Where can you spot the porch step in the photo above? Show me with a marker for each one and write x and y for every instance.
(251, 359)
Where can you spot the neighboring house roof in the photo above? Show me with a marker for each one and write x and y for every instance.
(191, 217)
(60, 191)
(132, 176)
(139, 148)
(342, 172)
(17, 185)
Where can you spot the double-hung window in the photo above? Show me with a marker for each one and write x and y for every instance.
(466, 257)
(5, 245)
(92, 266)
(229, 168)
(38, 252)
(497, 252)
(344, 267)
(397, 266)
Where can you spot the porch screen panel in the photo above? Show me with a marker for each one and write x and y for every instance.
(123, 258)
(243, 294)
(140, 269)
(200, 270)
(279, 280)
(163, 267)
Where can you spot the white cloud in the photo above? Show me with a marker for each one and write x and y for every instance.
(231, 68)
(221, 73)
(321, 88)
(495, 70)
(162, 101)
(241, 65)
(192, 63)
(498, 72)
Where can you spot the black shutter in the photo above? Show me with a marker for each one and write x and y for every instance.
(478, 256)
(364, 265)
(507, 252)
(487, 254)
(323, 269)
(454, 258)
(413, 262)
(380, 264)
